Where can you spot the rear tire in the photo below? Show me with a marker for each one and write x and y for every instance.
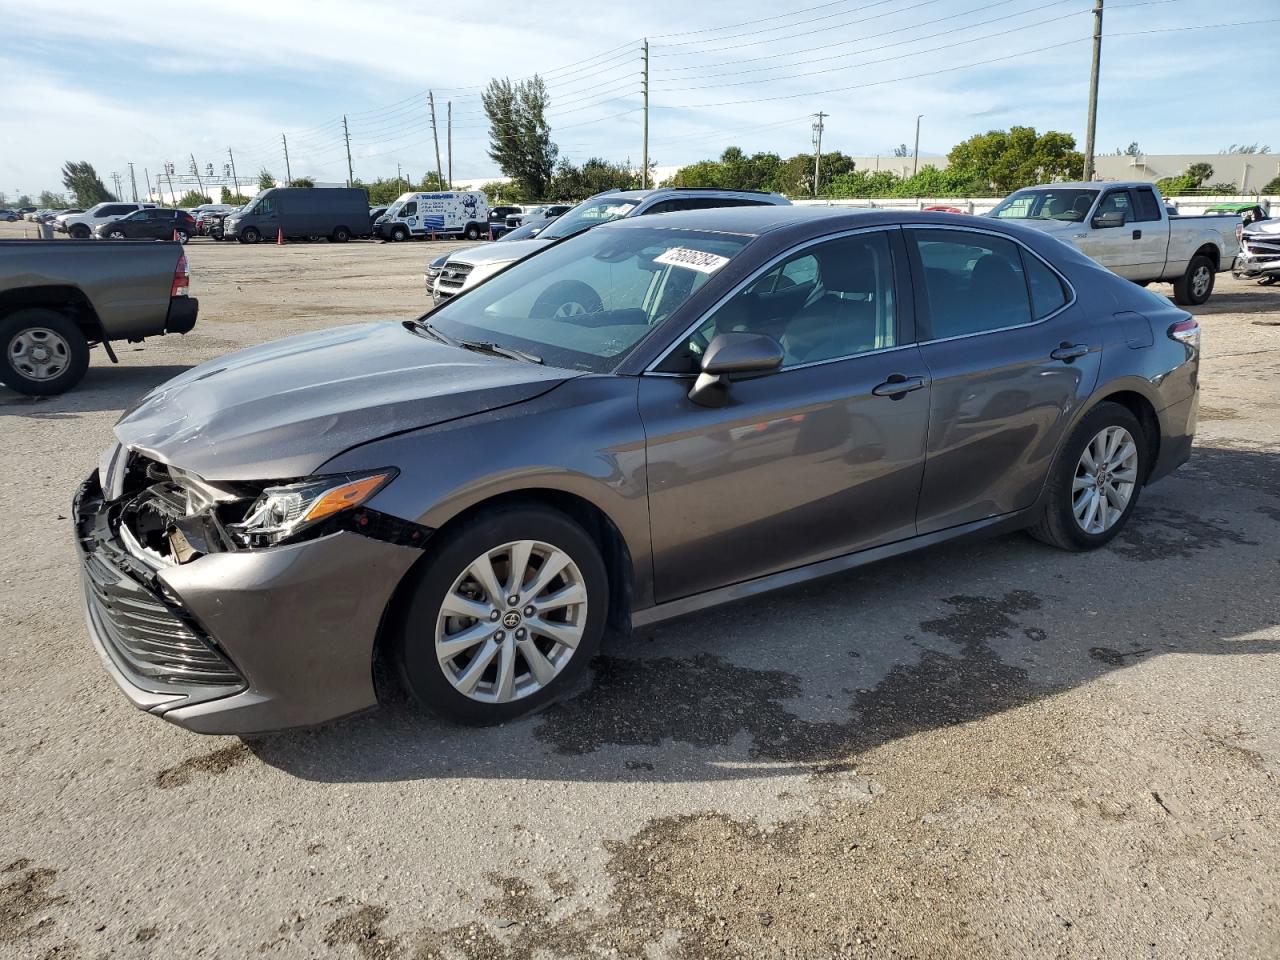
(473, 232)
(1267, 281)
(80, 232)
(1059, 524)
(341, 235)
(436, 678)
(42, 352)
(1195, 286)
(183, 237)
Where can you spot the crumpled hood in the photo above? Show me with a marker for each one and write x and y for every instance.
(282, 409)
(1263, 228)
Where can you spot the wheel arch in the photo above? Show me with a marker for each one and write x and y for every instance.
(1132, 397)
(66, 299)
(1211, 251)
(598, 525)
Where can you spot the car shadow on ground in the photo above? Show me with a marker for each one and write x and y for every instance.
(810, 677)
(1264, 302)
(104, 388)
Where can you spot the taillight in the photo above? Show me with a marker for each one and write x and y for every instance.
(1186, 331)
(182, 278)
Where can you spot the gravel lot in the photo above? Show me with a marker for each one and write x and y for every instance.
(988, 750)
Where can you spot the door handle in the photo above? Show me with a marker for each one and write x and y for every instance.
(1137, 234)
(898, 386)
(1069, 351)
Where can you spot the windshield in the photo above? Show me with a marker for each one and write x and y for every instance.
(1046, 204)
(529, 229)
(590, 213)
(393, 209)
(586, 302)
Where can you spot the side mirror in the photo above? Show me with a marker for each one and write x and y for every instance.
(729, 354)
(1112, 218)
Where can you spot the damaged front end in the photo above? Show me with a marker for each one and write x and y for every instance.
(1259, 256)
(192, 587)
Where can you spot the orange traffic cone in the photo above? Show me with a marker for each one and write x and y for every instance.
(280, 237)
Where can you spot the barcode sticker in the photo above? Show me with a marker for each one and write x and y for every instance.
(692, 259)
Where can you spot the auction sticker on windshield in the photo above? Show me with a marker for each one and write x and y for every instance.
(692, 259)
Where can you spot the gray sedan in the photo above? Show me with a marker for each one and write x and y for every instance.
(643, 420)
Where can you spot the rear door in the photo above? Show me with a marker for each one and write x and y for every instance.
(803, 464)
(1009, 360)
(1149, 232)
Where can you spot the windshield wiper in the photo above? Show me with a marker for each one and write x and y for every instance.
(483, 346)
(433, 332)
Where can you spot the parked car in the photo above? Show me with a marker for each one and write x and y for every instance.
(527, 230)
(335, 213)
(81, 225)
(432, 271)
(57, 299)
(9, 216)
(1126, 228)
(376, 214)
(155, 223)
(23, 211)
(462, 213)
(547, 212)
(757, 397)
(942, 208)
(500, 214)
(468, 267)
(1251, 211)
(1259, 253)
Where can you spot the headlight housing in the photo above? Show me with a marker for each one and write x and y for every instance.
(284, 512)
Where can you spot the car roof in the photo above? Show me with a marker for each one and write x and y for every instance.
(775, 198)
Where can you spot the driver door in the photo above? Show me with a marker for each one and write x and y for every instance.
(808, 462)
(1114, 247)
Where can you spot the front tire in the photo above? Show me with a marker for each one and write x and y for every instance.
(1094, 484)
(473, 232)
(505, 617)
(250, 235)
(399, 234)
(80, 232)
(42, 352)
(1195, 286)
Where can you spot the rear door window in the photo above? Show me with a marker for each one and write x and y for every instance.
(972, 283)
(1047, 291)
(1147, 207)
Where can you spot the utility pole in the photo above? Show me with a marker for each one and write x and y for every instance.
(195, 168)
(288, 174)
(133, 182)
(115, 178)
(817, 153)
(346, 135)
(147, 173)
(398, 190)
(1093, 90)
(915, 153)
(644, 88)
(449, 139)
(235, 181)
(431, 99)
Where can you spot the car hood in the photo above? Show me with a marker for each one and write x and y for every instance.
(282, 409)
(502, 252)
(1263, 228)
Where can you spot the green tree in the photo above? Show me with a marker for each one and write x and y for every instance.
(431, 183)
(83, 183)
(1189, 181)
(23, 201)
(594, 176)
(193, 199)
(53, 201)
(265, 180)
(1019, 157)
(305, 182)
(497, 192)
(1270, 187)
(519, 136)
(235, 199)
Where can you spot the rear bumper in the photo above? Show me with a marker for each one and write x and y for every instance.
(1177, 432)
(182, 314)
(292, 628)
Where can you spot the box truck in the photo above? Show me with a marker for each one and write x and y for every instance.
(445, 214)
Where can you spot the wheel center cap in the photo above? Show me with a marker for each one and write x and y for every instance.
(511, 619)
(39, 354)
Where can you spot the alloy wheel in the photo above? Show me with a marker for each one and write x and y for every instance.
(1200, 281)
(511, 621)
(39, 353)
(1105, 479)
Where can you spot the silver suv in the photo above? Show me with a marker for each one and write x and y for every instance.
(464, 269)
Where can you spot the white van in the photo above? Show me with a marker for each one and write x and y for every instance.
(447, 214)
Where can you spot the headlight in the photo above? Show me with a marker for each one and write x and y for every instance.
(281, 513)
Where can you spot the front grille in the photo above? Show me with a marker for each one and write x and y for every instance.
(453, 276)
(1262, 248)
(161, 650)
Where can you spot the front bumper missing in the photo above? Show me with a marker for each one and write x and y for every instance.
(1249, 266)
(296, 625)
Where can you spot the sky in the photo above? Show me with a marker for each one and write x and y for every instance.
(149, 82)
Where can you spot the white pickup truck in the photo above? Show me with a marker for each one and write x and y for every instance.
(1126, 228)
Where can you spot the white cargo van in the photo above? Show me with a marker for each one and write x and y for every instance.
(445, 214)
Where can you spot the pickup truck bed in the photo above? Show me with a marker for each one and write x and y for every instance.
(60, 297)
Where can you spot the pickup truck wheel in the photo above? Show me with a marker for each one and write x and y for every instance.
(80, 232)
(250, 235)
(1194, 287)
(42, 352)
